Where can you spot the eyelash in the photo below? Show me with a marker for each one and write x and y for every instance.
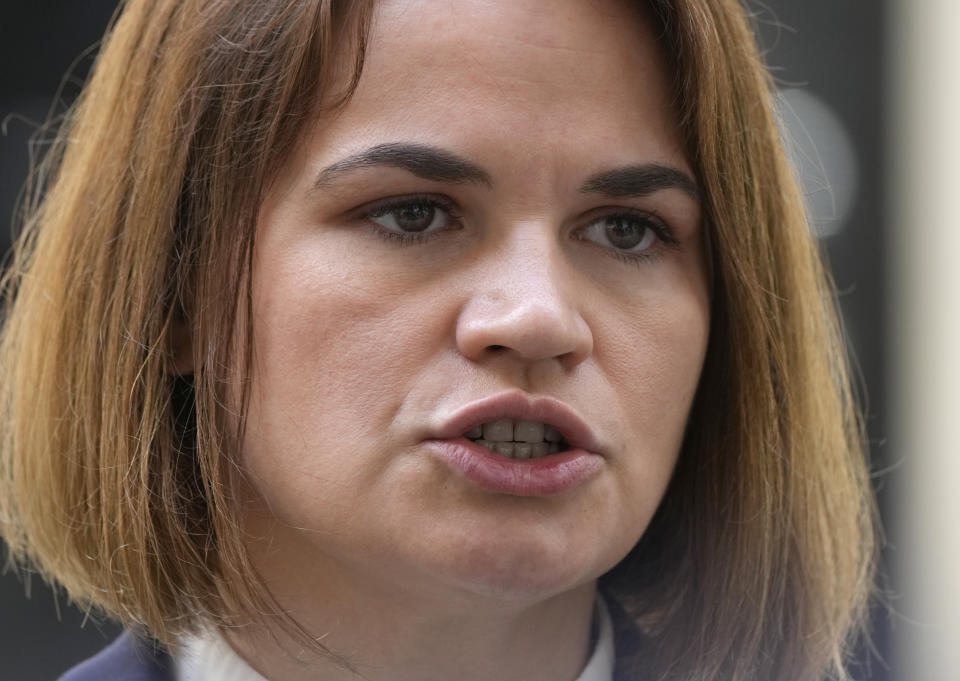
(661, 232)
(660, 229)
(410, 238)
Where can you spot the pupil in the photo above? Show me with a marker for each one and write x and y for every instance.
(624, 233)
(415, 218)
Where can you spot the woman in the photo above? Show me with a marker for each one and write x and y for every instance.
(412, 340)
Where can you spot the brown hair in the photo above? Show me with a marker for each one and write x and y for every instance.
(117, 474)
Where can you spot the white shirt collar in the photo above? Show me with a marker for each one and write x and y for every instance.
(210, 658)
(600, 665)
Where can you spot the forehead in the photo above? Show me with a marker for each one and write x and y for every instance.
(554, 79)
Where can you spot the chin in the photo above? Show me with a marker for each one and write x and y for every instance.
(529, 570)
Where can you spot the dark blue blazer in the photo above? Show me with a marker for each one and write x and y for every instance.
(127, 659)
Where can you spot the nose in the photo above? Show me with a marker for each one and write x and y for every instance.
(523, 303)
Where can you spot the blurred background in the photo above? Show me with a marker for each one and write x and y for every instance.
(867, 96)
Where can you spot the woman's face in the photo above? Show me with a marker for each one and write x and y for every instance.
(501, 223)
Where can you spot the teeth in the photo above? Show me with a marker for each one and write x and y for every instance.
(528, 431)
(551, 434)
(517, 439)
(507, 430)
(500, 430)
(520, 450)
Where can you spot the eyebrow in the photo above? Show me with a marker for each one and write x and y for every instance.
(640, 180)
(440, 165)
(427, 162)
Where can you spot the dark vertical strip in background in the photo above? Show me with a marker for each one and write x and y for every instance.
(827, 56)
(40, 636)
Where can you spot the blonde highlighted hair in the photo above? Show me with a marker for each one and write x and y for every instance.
(118, 473)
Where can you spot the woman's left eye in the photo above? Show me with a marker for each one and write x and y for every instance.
(412, 219)
(630, 235)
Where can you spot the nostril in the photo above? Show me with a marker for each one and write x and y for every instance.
(497, 347)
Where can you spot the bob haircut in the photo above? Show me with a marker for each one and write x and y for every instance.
(119, 470)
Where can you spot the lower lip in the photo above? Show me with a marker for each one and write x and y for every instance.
(547, 476)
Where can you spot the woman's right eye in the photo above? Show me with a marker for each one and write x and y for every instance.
(414, 218)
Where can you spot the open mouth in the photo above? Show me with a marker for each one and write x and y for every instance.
(517, 439)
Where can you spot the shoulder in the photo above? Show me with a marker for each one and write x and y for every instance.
(126, 659)
(629, 644)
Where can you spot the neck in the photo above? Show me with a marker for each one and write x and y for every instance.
(378, 632)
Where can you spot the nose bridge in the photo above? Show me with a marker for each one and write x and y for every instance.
(522, 301)
(533, 273)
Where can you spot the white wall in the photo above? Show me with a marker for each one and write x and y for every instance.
(925, 334)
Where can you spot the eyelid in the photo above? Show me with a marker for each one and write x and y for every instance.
(661, 228)
(382, 207)
(385, 205)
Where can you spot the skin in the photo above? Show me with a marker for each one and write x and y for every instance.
(362, 345)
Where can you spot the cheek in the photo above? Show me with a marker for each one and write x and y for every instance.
(335, 347)
(655, 355)
(654, 363)
(331, 336)
(668, 348)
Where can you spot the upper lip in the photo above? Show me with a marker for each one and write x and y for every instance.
(520, 406)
